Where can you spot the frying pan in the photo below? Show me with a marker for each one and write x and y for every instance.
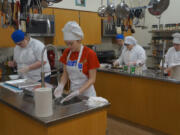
(158, 6)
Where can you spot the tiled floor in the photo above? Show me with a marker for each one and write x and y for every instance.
(122, 127)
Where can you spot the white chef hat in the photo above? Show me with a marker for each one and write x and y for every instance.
(130, 40)
(176, 38)
(72, 31)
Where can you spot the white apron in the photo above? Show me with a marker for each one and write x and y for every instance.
(77, 77)
(175, 73)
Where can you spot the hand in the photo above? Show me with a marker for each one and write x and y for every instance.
(70, 96)
(131, 64)
(59, 90)
(167, 70)
(116, 63)
(24, 70)
(11, 64)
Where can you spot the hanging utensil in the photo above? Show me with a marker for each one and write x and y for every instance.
(158, 6)
(122, 10)
(3, 21)
(102, 10)
(39, 6)
(110, 10)
(2, 17)
(44, 3)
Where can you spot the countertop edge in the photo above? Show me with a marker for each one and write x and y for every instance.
(140, 76)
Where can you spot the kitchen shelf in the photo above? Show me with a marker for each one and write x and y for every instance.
(158, 39)
(164, 31)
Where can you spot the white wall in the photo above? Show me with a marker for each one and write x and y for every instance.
(171, 15)
(91, 5)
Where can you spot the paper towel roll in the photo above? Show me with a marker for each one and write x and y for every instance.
(43, 102)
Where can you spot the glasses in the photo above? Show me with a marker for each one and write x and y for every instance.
(126, 44)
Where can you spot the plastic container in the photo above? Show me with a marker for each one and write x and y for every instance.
(14, 77)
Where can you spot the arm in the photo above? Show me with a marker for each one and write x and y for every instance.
(141, 58)
(119, 61)
(59, 90)
(33, 66)
(64, 77)
(91, 80)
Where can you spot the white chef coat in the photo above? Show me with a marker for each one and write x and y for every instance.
(29, 55)
(136, 54)
(172, 58)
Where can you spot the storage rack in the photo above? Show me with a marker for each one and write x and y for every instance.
(157, 41)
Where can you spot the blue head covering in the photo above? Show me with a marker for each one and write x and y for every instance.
(18, 36)
(120, 36)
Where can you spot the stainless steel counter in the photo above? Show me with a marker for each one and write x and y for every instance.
(25, 105)
(148, 74)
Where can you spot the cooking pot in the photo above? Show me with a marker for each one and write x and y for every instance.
(102, 11)
(122, 10)
(158, 6)
(110, 10)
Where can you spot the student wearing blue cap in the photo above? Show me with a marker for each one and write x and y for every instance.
(133, 54)
(27, 57)
(120, 42)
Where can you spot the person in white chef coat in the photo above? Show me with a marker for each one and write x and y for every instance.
(80, 64)
(133, 54)
(27, 57)
(172, 58)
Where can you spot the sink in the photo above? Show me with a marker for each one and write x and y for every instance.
(72, 101)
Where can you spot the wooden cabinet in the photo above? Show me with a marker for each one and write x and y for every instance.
(5, 36)
(91, 25)
(89, 22)
(62, 16)
(48, 11)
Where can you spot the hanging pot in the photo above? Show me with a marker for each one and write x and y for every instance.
(102, 11)
(158, 6)
(122, 11)
(110, 10)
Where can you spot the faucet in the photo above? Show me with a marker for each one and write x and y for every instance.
(42, 63)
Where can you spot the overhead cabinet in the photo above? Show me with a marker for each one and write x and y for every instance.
(89, 22)
(61, 18)
(5, 34)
